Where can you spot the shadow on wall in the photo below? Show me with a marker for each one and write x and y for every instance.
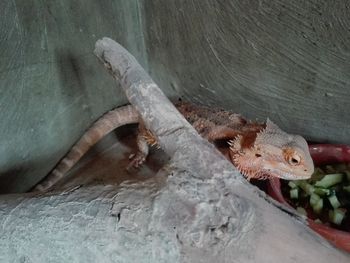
(71, 76)
(13, 178)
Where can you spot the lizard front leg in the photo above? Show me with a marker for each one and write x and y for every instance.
(144, 139)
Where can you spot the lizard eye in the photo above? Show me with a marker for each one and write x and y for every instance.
(294, 160)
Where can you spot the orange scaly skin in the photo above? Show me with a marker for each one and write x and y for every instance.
(258, 150)
(273, 152)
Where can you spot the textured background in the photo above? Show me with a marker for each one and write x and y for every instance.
(286, 59)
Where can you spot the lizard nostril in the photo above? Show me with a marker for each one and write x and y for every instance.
(257, 155)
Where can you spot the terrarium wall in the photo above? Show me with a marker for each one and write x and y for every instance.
(286, 60)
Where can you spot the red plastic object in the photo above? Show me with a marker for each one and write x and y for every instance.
(321, 154)
(329, 153)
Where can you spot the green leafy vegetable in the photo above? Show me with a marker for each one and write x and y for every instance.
(294, 193)
(301, 210)
(318, 206)
(336, 216)
(292, 184)
(334, 201)
(329, 180)
(314, 198)
(322, 191)
(318, 221)
(308, 188)
(326, 192)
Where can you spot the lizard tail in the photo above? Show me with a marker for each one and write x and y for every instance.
(105, 124)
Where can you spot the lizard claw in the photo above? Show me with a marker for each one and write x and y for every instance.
(136, 161)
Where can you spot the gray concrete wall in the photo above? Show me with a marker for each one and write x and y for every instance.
(287, 59)
(51, 85)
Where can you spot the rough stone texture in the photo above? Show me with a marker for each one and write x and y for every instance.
(89, 225)
(175, 216)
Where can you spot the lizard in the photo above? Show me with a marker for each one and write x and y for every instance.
(257, 150)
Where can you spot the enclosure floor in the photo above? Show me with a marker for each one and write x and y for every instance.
(106, 162)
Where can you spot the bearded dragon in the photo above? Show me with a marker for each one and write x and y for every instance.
(257, 150)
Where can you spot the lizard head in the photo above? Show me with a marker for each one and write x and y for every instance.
(272, 153)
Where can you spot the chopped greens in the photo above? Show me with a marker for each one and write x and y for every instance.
(329, 180)
(314, 198)
(322, 191)
(292, 184)
(318, 221)
(294, 193)
(308, 188)
(301, 210)
(318, 206)
(334, 201)
(336, 216)
(325, 197)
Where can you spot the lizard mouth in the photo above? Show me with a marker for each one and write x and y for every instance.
(290, 176)
(287, 175)
(252, 172)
